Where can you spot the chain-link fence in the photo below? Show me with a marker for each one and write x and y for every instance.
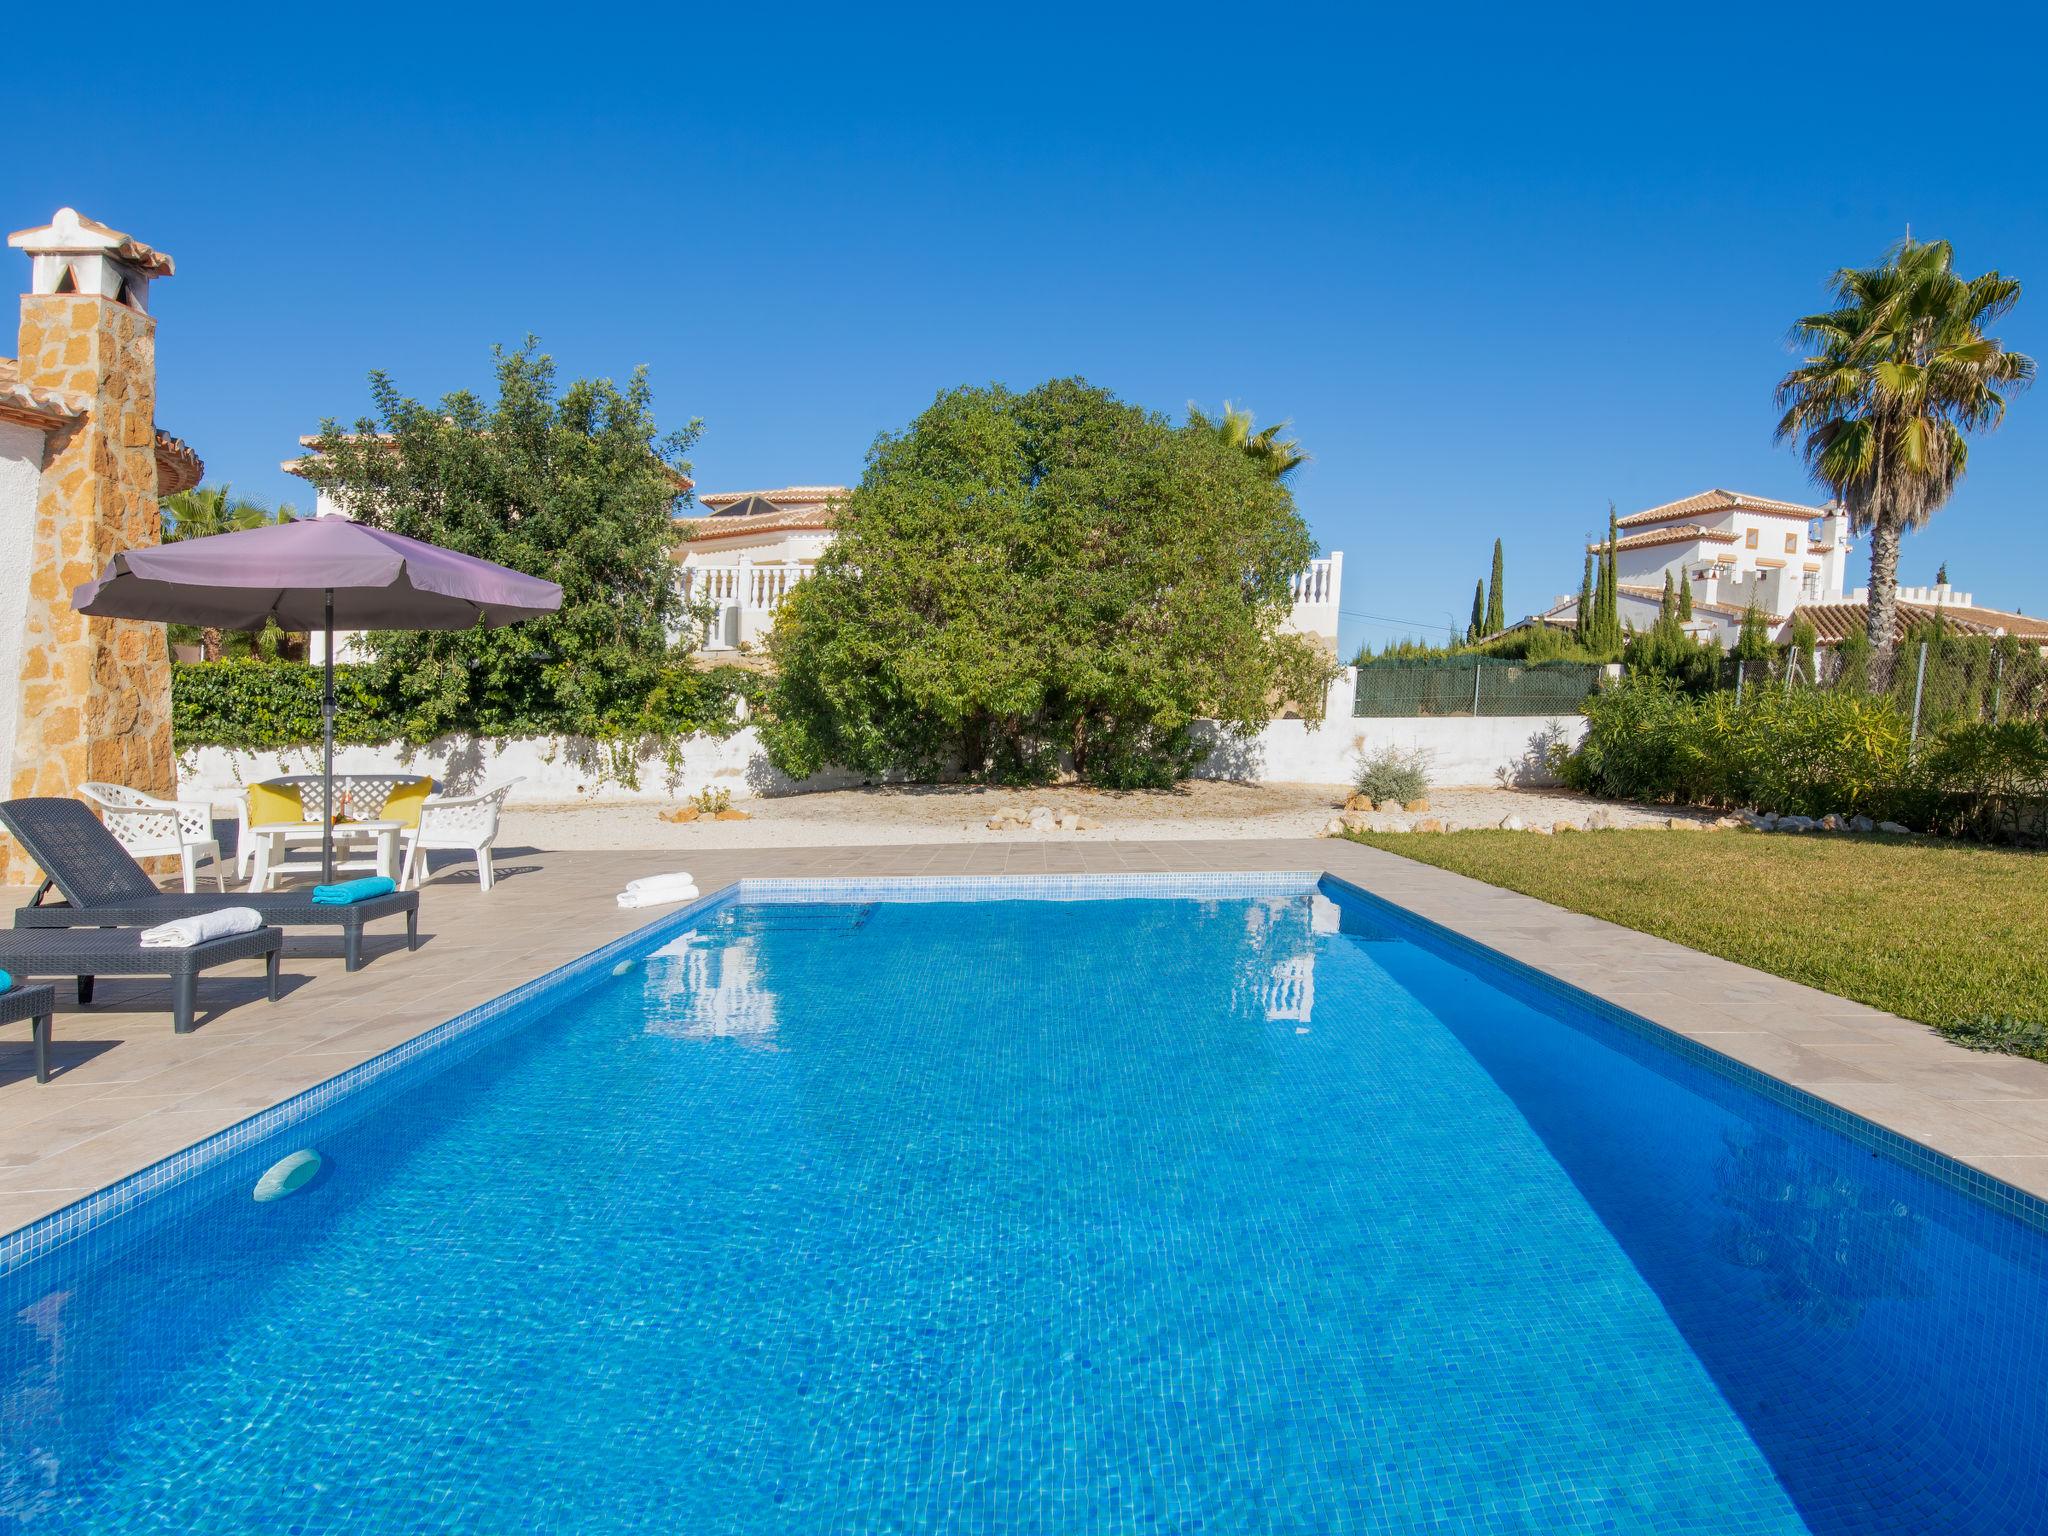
(1937, 682)
(1472, 685)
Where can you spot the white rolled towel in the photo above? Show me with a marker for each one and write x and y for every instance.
(650, 883)
(658, 895)
(184, 932)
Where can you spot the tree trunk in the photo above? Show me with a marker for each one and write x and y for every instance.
(209, 645)
(1884, 588)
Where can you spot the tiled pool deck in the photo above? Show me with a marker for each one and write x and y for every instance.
(128, 1091)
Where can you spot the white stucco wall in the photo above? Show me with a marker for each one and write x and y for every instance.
(21, 469)
(551, 770)
(554, 771)
(1462, 751)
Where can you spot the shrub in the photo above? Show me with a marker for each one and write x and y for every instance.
(263, 706)
(1666, 650)
(1989, 781)
(1807, 752)
(1392, 773)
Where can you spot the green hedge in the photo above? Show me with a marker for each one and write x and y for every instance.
(1809, 752)
(258, 706)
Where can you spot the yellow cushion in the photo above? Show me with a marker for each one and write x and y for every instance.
(273, 803)
(403, 803)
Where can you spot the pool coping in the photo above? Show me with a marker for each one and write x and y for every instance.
(442, 1044)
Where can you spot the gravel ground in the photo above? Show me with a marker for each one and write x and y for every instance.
(958, 814)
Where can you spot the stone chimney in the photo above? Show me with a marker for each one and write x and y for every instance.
(95, 694)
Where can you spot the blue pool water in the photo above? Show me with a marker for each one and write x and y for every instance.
(1273, 1214)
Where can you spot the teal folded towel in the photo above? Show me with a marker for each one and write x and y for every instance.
(342, 892)
(6, 982)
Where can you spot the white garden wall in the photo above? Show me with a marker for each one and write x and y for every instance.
(570, 771)
(552, 770)
(1462, 751)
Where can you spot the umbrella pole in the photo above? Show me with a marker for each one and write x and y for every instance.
(327, 749)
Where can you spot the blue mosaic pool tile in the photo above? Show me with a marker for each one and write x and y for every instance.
(1215, 1205)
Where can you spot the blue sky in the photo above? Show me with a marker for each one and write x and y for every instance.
(1498, 269)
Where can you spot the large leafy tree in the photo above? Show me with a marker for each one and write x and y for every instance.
(1022, 580)
(200, 513)
(1276, 457)
(574, 483)
(1896, 376)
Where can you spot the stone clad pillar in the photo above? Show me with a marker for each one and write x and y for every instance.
(95, 694)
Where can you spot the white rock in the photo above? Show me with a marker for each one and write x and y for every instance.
(1832, 822)
(1334, 827)
(1682, 824)
(1862, 824)
(1894, 828)
(1795, 823)
(1513, 823)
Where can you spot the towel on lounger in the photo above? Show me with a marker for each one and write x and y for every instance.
(6, 982)
(187, 931)
(343, 892)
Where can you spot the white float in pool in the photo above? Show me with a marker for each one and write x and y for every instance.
(288, 1175)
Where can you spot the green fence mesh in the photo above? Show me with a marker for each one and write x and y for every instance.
(1936, 682)
(1472, 685)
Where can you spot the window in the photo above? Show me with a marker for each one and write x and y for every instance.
(1791, 543)
(1750, 542)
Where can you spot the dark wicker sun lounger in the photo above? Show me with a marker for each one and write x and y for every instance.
(103, 886)
(36, 1004)
(89, 952)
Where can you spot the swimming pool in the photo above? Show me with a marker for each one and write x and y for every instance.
(1194, 1204)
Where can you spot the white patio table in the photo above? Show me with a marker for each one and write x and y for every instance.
(274, 840)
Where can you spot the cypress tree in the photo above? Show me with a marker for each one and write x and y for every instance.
(1607, 603)
(1684, 598)
(1496, 600)
(1584, 626)
(1667, 605)
(1753, 643)
(1477, 627)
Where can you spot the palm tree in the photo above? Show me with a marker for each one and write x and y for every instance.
(1276, 458)
(207, 510)
(1896, 377)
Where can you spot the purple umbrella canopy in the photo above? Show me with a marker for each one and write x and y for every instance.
(324, 574)
(287, 571)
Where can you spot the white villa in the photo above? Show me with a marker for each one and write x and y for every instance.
(1789, 559)
(1734, 550)
(750, 547)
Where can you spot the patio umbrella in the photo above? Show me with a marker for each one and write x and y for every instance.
(319, 573)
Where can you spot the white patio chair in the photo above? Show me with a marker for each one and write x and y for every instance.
(152, 828)
(468, 823)
(360, 796)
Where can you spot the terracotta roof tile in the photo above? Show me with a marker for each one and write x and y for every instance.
(72, 230)
(1721, 501)
(1699, 605)
(788, 495)
(178, 468)
(36, 407)
(1834, 622)
(1689, 533)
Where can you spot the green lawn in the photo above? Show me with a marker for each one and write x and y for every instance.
(1951, 934)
